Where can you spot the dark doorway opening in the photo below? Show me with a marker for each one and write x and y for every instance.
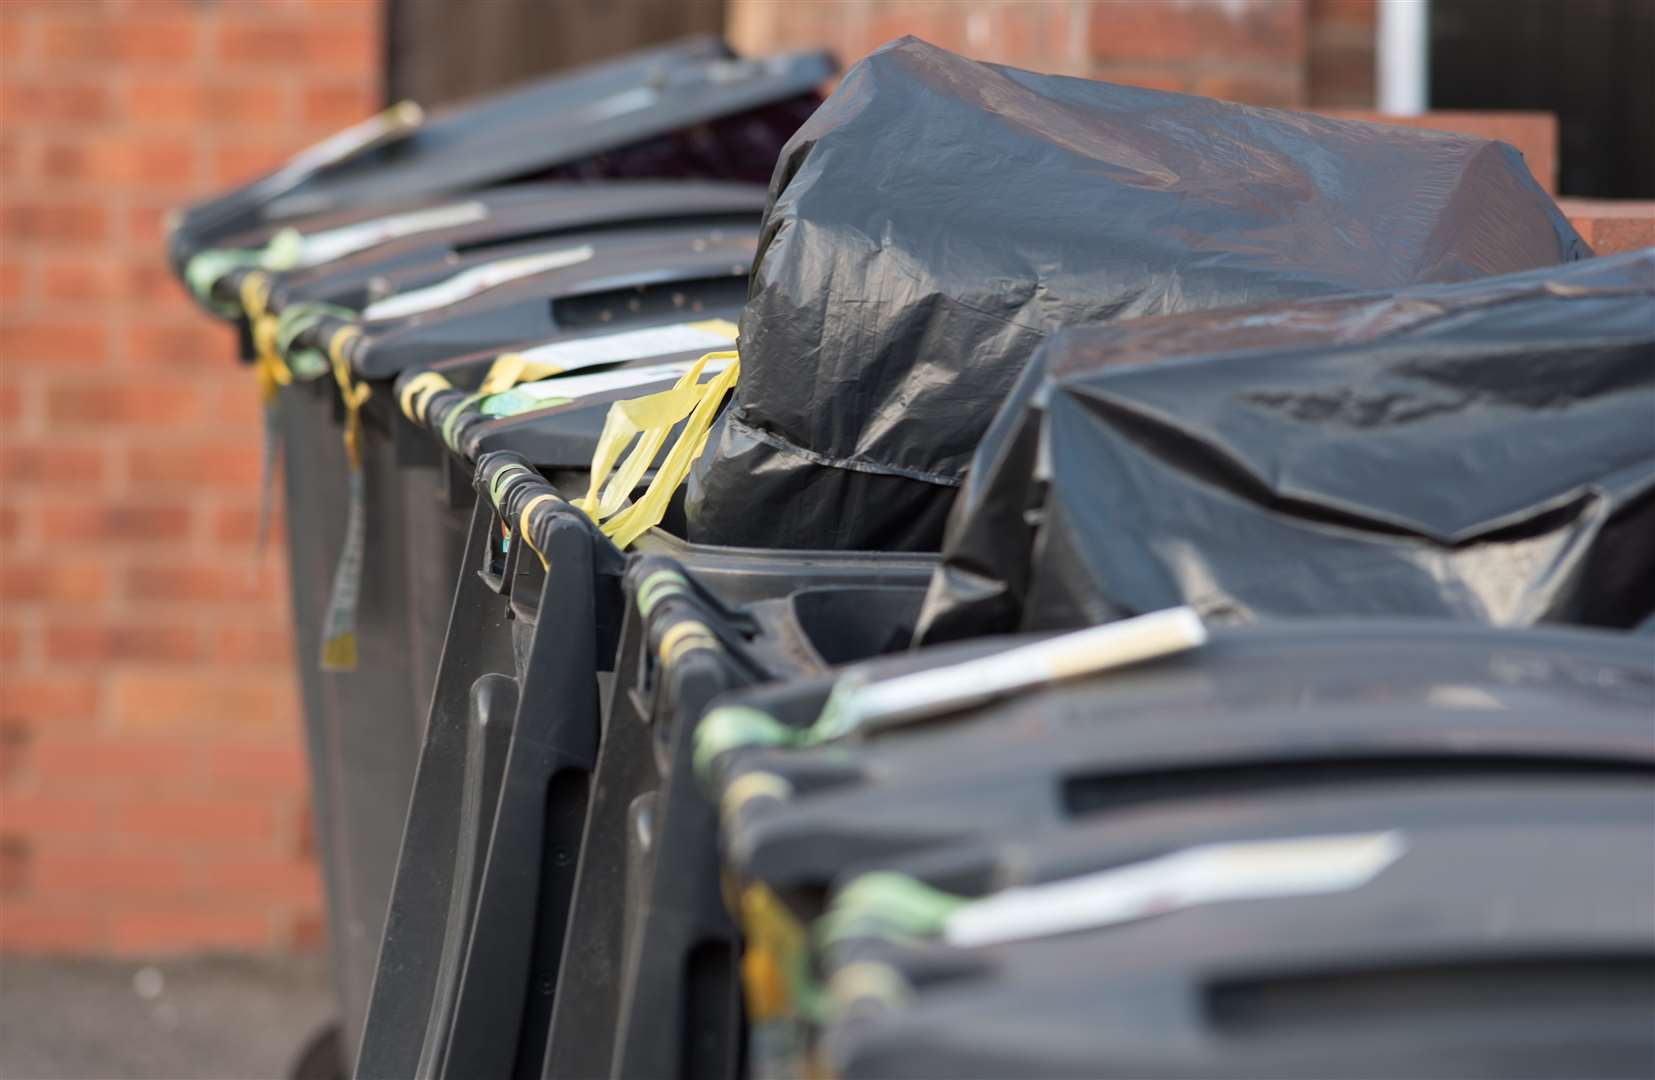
(1591, 62)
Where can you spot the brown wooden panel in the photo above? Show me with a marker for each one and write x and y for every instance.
(447, 50)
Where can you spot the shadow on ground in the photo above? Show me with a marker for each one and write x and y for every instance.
(226, 1018)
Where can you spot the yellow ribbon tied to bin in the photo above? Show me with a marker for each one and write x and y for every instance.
(339, 620)
(270, 373)
(507, 371)
(650, 420)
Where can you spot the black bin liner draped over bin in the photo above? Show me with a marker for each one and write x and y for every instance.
(937, 218)
(1479, 451)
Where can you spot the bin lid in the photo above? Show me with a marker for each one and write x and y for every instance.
(527, 296)
(1274, 706)
(349, 264)
(1479, 930)
(405, 156)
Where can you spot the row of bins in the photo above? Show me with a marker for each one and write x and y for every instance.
(599, 802)
(613, 198)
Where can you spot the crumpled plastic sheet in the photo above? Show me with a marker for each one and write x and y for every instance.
(1480, 451)
(937, 218)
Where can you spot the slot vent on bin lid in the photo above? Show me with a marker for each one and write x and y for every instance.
(330, 244)
(559, 357)
(470, 282)
(1204, 875)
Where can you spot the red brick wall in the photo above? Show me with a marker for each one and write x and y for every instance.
(1612, 225)
(151, 775)
(1340, 70)
(1266, 52)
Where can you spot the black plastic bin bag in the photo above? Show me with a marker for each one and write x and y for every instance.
(1481, 451)
(937, 218)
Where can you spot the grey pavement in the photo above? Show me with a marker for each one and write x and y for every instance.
(223, 1018)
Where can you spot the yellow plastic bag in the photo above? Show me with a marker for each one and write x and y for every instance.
(650, 419)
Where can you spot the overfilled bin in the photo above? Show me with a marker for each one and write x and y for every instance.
(1407, 452)
(1008, 204)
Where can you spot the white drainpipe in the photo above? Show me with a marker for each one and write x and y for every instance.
(1403, 56)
